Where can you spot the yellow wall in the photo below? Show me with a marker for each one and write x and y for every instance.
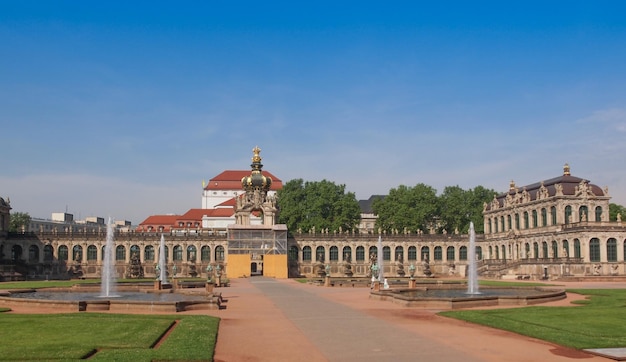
(238, 265)
(275, 266)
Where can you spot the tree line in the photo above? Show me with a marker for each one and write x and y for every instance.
(320, 205)
(323, 205)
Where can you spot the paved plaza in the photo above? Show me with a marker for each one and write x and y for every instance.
(283, 320)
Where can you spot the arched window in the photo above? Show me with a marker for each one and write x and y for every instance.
(439, 252)
(497, 252)
(463, 253)
(92, 253)
(555, 249)
(48, 253)
(373, 253)
(503, 248)
(386, 253)
(33, 253)
(134, 250)
(77, 253)
(412, 253)
(489, 226)
(517, 226)
(527, 251)
(490, 252)
(347, 253)
(120, 253)
(334, 253)
(502, 223)
(553, 214)
(148, 253)
(479, 252)
(360, 253)
(508, 222)
(535, 222)
(399, 253)
(611, 249)
(536, 250)
(205, 253)
(306, 253)
(320, 254)
(544, 217)
(292, 255)
(568, 214)
(526, 225)
(544, 249)
(219, 253)
(583, 213)
(594, 249)
(577, 253)
(495, 223)
(598, 213)
(16, 252)
(566, 248)
(63, 253)
(191, 253)
(178, 253)
(425, 253)
(450, 253)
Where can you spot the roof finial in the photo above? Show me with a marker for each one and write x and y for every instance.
(256, 158)
(512, 185)
(566, 171)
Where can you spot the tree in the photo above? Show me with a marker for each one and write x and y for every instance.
(478, 197)
(411, 208)
(455, 209)
(615, 209)
(317, 204)
(19, 221)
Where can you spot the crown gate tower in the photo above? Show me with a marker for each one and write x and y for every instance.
(260, 248)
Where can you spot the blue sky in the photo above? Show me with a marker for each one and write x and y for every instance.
(122, 109)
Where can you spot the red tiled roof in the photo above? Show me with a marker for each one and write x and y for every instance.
(160, 220)
(228, 203)
(193, 215)
(221, 212)
(231, 180)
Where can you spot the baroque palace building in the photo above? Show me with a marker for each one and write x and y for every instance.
(554, 228)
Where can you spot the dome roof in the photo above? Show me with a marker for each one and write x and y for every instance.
(256, 179)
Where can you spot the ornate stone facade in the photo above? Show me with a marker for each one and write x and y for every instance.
(553, 228)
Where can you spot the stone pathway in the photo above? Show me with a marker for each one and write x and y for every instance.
(283, 320)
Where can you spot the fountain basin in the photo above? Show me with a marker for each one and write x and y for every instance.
(455, 298)
(134, 301)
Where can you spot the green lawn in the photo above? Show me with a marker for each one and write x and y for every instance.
(598, 323)
(117, 337)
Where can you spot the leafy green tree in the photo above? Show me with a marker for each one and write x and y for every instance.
(411, 208)
(615, 209)
(317, 204)
(455, 209)
(19, 221)
(478, 197)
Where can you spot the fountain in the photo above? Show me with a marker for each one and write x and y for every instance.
(107, 282)
(441, 295)
(129, 297)
(162, 265)
(472, 273)
(380, 259)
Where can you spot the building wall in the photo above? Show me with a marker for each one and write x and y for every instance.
(192, 253)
